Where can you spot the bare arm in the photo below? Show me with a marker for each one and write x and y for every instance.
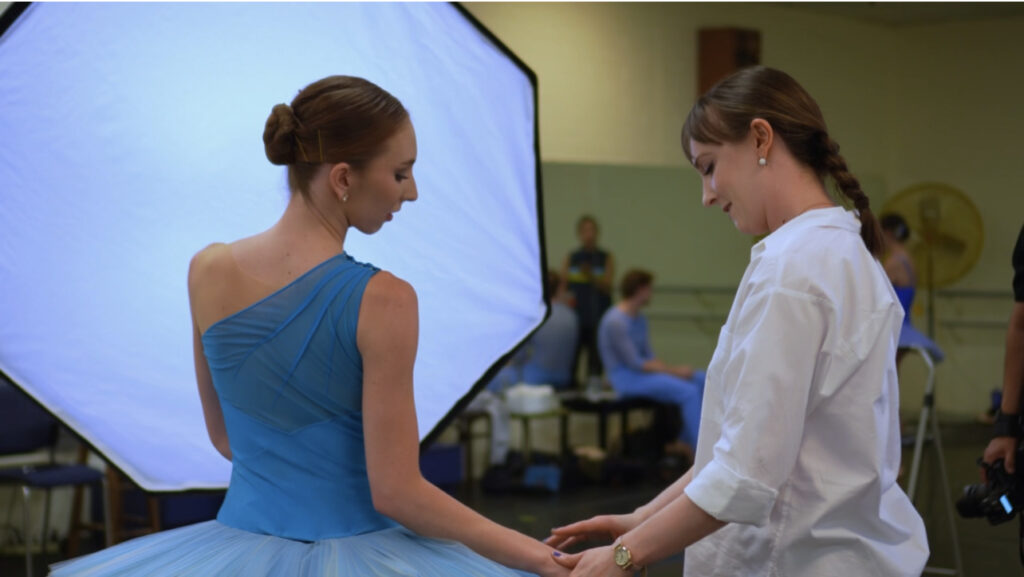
(608, 278)
(563, 276)
(1013, 363)
(670, 494)
(669, 530)
(1013, 378)
(387, 337)
(673, 522)
(207, 395)
(610, 527)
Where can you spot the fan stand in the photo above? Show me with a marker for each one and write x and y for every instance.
(928, 414)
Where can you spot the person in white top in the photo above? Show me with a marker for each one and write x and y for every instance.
(799, 444)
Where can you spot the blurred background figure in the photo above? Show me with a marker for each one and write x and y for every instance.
(900, 269)
(634, 371)
(589, 273)
(551, 352)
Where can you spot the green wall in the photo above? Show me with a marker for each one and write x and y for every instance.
(908, 104)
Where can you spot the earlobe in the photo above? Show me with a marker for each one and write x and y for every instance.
(763, 136)
(341, 180)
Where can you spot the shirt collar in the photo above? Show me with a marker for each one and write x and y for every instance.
(831, 217)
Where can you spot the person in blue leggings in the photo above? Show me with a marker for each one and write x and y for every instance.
(630, 364)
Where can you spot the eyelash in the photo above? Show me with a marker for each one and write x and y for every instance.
(400, 177)
(708, 169)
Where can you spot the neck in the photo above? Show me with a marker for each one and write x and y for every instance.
(629, 307)
(305, 224)
(802, 192)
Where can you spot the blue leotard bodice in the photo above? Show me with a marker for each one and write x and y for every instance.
(289, 378)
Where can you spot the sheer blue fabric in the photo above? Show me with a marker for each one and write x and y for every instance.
(909, 335)
(289, 378)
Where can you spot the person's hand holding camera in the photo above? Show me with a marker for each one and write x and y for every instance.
(1004, 445)
(1001, 448)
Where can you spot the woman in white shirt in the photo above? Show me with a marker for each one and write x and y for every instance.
(799, 444)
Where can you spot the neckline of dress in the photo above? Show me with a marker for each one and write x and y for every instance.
(276, 292)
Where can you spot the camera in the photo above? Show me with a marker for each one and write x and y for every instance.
(1000, 499)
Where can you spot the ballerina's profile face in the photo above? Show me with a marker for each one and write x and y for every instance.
(381, 187)
(728, 175)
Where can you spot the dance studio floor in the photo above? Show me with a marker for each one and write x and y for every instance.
(987, 551)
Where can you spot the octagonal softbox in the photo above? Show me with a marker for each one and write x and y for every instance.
(131, 137)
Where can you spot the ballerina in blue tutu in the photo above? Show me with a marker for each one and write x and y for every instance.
(304, 359)
(900, 269)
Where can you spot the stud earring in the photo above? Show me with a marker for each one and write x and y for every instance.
(762, 161)
(344, 198)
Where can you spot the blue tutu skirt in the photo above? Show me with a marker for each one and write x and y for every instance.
(214, 549)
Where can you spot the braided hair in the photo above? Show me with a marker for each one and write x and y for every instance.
(725, 112)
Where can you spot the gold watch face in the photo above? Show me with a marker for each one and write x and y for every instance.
(622, 556)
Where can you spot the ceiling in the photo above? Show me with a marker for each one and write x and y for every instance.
(913, 13)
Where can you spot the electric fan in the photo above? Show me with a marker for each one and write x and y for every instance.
(946, 235)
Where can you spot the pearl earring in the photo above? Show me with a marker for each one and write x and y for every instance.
(762, 161)
(344, 198)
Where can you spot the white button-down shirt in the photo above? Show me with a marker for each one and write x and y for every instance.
(799, 442)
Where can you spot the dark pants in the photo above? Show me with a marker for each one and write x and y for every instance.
(588, 342)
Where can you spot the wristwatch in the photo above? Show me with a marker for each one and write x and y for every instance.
(1007, 425)
(624, 558)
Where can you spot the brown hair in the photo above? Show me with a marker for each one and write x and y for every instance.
(634, 280)
(725, 112)
(336, 119)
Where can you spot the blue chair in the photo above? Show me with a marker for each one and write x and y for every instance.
(27, 428)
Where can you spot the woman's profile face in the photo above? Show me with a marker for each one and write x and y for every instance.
(728, 175)
(385, 183)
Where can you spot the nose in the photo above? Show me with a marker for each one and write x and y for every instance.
(708, 196)
(413, 194)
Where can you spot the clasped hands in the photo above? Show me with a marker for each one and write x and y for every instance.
(596, 562)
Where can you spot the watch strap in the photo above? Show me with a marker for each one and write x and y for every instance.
(1008, 425)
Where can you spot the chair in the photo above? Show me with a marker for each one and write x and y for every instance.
(464, 426)
(27, 428)
(603, 404)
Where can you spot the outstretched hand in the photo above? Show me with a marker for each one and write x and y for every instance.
(600, 528)
(597, 562)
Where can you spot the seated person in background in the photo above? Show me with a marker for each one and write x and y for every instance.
(551, 350)
(547, 359)
(491, 401)
(632, 368)
(900, 269)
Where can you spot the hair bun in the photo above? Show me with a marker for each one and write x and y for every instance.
(279, 135)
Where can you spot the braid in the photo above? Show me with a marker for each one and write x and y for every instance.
(835, 165)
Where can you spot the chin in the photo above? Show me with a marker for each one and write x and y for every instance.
(752, 230)
(369, 229)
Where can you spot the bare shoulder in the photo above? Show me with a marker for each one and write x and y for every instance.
(388, 316)
(206, 263)
(387, 292)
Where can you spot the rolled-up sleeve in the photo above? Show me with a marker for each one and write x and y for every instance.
(765, 382)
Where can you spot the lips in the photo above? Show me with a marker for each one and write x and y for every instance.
(726, 208)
